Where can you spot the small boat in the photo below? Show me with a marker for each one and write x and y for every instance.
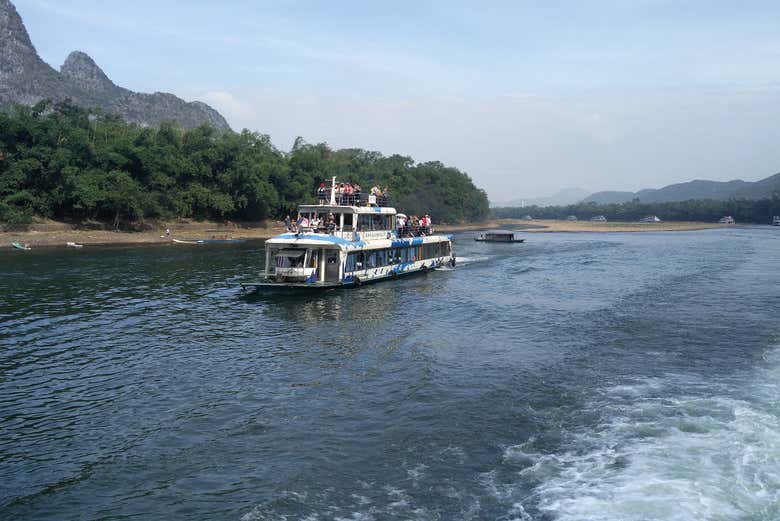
(498, 236)
(20, 246)
(179, 241)
(598, 219)
(776, 220)
(726, 220)
(73, 245)
(650, 219)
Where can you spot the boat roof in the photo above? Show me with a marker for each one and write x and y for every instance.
(499, 232)
(319, 240)
(387, 210)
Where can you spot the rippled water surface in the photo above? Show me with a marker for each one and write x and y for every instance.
(574, 377)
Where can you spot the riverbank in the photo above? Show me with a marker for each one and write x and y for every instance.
(57, 234)
(550, 226)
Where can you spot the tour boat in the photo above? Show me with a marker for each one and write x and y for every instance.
(498, 236)
(357, 239)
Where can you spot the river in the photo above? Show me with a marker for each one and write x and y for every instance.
(573, 377)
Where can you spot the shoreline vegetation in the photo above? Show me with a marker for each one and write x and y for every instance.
(65, 163)
(58, 234)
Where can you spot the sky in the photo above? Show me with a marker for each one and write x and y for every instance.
(526, 97)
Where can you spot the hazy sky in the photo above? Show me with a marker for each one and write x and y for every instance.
(527, 97)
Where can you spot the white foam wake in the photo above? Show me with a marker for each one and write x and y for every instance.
(686, 458)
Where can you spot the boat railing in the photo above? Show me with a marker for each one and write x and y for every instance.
(351, 199)
(415, 231)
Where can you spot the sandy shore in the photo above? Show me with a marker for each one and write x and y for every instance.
(54, 234)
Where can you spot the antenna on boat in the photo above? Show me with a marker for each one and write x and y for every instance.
(333, 191)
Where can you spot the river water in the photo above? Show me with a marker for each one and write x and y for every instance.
(574, 377)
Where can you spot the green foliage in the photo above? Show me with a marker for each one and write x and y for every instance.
(758, 211)
(61, 161)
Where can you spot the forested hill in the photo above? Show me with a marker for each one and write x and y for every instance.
(64, 162)
(757, 211)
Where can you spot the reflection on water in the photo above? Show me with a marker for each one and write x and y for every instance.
(623, 376)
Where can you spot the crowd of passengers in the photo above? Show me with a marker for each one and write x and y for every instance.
(413, 226)
(350, 194)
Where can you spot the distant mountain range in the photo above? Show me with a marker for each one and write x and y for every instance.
(26, 79)
(698, 189)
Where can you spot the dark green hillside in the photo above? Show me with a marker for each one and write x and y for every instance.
(63, 162)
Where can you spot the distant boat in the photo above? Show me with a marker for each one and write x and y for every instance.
(572, 218)
(498, 236)
(73, 245)
(650, 219)
(776, 220)
(179, 241)
(20, 246)
(598, 219)
(726, 220)
(527, 218)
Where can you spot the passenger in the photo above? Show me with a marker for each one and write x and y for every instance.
(315, 222)
(304, 222)
(331, 225)
(415, 226)
(288, 223)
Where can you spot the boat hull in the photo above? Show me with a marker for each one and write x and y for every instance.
(311, 287)
(492, 240)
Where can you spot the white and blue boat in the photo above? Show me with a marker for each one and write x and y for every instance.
(358, 239)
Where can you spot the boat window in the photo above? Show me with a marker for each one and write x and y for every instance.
(381, 258)
(290, 258)
(312, 259)
(373, 222)
(347, 222)
(371, 260)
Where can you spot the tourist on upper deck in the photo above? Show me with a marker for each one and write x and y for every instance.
(400, 223)
(425, 224)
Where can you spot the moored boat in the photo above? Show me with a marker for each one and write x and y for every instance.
(498, 236)
(73, 245)
(776, 220)
(20, 246)
(347, 242)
